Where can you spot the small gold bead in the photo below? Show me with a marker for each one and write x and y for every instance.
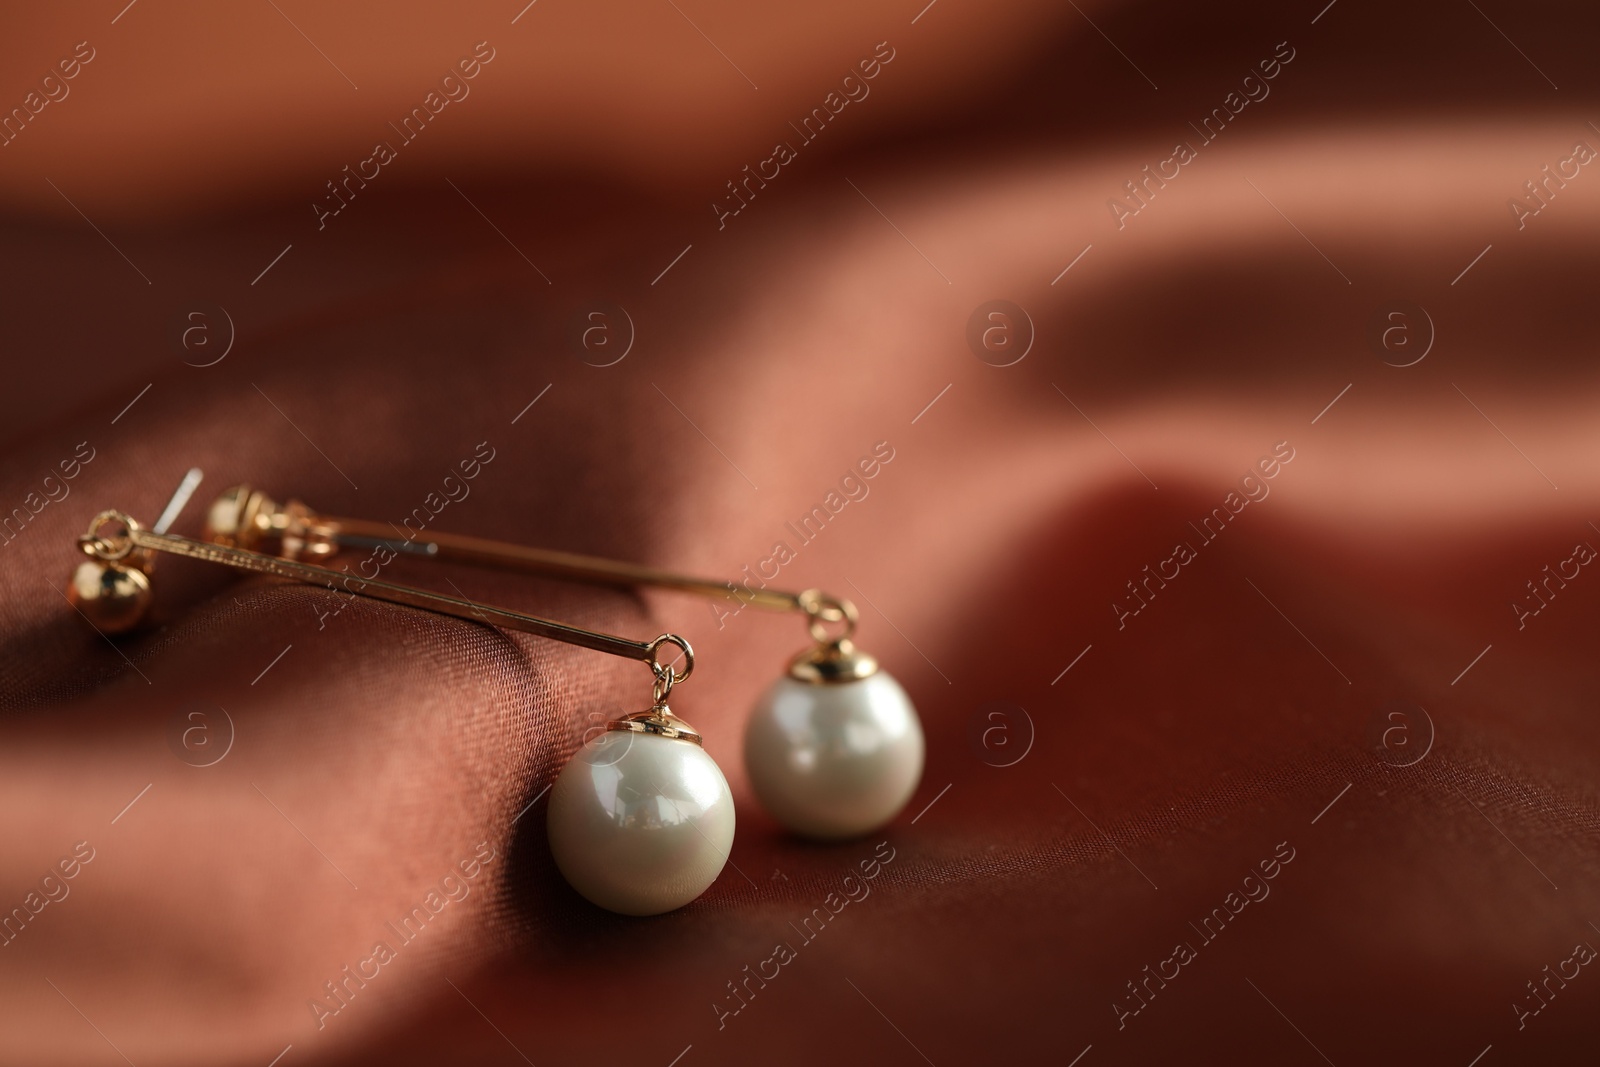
(112, 597)
(228, 520)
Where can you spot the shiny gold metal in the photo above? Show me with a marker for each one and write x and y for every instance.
(667, 675)
(243, 518)
(820, 609)
(131, 540)
(118, 549)
(658, 718)
(246, 518)
(112, 597)
(832, 663)
(660, 721)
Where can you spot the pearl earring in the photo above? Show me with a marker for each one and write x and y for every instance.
(834, 748)
(640, 820)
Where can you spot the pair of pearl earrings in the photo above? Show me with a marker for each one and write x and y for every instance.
(641, 819)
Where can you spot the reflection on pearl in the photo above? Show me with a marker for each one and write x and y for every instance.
(640, 824)
(834, 760)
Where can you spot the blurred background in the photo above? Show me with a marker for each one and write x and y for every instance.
(1235, 364)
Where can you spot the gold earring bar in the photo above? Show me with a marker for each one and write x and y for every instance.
(136, 539)
(245, 517)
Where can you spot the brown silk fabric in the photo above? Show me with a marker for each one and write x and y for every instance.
(1186, 837)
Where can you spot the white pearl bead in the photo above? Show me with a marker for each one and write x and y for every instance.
(834, 760)
(640, 824)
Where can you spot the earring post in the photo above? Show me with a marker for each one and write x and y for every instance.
(180, 500)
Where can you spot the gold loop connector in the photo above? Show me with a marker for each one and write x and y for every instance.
(666, 674)
(109, 549)
(822, 609)
(833, 659)
(658, 719)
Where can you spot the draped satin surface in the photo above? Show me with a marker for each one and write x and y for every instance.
(1124, 738)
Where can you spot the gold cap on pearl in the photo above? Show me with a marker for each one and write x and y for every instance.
(832, 663)
(658, 718)
(660, 721)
